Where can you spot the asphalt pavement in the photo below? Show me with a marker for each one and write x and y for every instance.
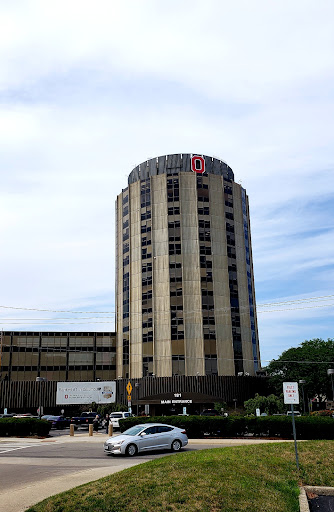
(34, 469)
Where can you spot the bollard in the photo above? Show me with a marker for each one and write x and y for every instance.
(90, 429)
(72, 429)
(110, 430)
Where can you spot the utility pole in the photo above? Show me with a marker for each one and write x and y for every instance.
(1, 342)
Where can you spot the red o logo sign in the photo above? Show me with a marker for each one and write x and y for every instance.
(197, 164)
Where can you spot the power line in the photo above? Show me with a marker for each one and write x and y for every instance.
(267, 304)
(57, 310)
(295, 301)
(226, 311)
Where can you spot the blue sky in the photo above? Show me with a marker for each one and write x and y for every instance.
(88, 91)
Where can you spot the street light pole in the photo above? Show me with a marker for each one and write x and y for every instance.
(330, 372)
(302, 382)
(40, 380)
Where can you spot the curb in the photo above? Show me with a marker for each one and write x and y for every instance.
(315, 489)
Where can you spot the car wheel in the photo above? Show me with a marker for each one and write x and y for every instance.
(176, 445)
(131, 450)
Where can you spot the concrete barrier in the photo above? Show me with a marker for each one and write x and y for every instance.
(72, 429)
(110, 430)
(90, 429)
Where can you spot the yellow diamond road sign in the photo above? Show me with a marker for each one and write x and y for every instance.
(129, 388)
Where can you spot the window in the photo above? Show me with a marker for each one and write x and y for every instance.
(151, 430)
(174, 249)
(178, 365)
(203, 210)
(163, 428)
(205, 250)
(176, 293)
(146, 215)
(211, 365)
(174, 210)
(205, 263)
(147, 337)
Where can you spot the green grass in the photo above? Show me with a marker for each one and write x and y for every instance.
(260, 478)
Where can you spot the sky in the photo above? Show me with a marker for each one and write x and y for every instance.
(88, 90)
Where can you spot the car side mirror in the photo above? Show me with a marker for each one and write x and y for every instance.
(142, 434)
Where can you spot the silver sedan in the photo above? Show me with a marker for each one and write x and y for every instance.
(145, 437)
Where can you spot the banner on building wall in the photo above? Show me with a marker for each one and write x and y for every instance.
(86, 392)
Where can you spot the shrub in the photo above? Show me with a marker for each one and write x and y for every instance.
(325, 412)
(24, 427)
(307, 427)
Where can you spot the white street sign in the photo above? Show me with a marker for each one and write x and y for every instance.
(290, 391)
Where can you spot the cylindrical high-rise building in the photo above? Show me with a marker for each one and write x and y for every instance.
(185, 297)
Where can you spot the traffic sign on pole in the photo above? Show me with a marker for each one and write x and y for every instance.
(129, 388)
(291, 396)
(290, 391)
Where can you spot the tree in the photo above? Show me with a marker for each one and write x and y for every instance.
(269, 404)
(309, 362)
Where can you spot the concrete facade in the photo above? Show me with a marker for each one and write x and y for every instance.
(184, 274)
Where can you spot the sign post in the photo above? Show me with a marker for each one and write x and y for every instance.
(291, 396)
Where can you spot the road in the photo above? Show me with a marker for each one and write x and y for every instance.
(33, 469)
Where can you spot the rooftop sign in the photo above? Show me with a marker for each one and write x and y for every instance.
(197, 164)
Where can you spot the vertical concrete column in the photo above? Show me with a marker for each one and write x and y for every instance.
(191, 277)
(119, 287)
(240, 249)
(135, 282)
(160, 262)
(253, 284)
(221, 291)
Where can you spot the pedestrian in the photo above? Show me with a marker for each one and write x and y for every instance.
(106, 423)
(96, 422)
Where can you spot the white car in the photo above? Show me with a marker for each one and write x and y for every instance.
(114, 418)
(145, 437)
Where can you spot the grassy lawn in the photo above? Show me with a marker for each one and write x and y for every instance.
(259, 478)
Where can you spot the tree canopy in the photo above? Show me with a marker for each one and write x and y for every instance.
(269, 404)
(310, 362)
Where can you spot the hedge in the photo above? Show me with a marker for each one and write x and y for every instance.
(22, 427)
(307, 427)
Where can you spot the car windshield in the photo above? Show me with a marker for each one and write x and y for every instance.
(133, 431)
(116, 415)
(53, 418)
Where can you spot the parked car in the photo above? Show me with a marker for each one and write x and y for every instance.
(296, 413)
(84, 420)
(25, 415)
(114, 418)
(58, 421)
(210, 412)
(9, 415)
(145, 437)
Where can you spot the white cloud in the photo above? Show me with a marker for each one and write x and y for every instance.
(89, 91)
